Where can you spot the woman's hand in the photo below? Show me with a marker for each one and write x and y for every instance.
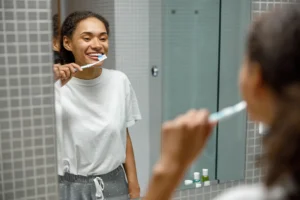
(65, 72)
(134, 190)
(183, 139)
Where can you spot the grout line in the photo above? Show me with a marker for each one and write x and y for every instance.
(1, 161)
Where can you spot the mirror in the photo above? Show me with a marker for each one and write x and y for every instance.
(190, 60)
(163, 58)
(196, 40)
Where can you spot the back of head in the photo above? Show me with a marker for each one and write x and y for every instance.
(274, 43)
(69, 26)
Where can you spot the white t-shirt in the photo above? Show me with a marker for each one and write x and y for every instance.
(252, 192)
(94, 114)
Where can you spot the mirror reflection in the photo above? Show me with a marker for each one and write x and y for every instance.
(191, 34)
(98, 106)
(119, 74)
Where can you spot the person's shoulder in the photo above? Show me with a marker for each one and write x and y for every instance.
(244, 192)
(251, 192)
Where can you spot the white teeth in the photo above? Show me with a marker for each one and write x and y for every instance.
(95, 54)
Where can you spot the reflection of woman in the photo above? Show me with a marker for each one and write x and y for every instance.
(55, 38)
(270, 84)
(98, 105)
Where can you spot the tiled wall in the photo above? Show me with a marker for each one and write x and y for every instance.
(254, 143)
(132, 58)
(27, 123)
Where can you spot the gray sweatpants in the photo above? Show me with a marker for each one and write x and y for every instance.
(75, 187)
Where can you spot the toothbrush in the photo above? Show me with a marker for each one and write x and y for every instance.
(227, 112)
(101, 57)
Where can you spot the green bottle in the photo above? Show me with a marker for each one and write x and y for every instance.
(205, 177)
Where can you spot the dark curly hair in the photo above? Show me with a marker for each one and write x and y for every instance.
(68, 28)
(55, 26)
(274, 43)
(55, 36)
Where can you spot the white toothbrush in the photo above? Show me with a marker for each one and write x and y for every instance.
(227, 112)
(101, 57)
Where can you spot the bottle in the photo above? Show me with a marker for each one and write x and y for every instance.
(197, 177)
(188, 182)
(197, 180)
(198, 185)
(205, 177)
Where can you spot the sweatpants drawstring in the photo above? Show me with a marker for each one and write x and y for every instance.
(99, 188)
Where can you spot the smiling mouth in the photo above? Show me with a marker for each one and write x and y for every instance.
(94, 56)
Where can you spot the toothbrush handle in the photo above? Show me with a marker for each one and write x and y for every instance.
(214, 117)
(89, 65)
(101, 58)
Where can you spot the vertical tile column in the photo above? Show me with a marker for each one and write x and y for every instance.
(27, 123)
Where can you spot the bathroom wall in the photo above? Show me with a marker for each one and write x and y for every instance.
(27, 123)
(132, 57)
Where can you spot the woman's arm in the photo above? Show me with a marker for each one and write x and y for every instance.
(164, 181)
(182, 141)
(130, 169)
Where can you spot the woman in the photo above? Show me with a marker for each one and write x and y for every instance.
(97, 107)
(55, 38)
(270, 84)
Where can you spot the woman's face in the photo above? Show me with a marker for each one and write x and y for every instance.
(89, 39)
(259, 98)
